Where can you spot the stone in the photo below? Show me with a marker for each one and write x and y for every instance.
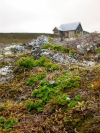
(36, 52)
(40, 41)
(19, 49)
(14, 49)
(6, 74)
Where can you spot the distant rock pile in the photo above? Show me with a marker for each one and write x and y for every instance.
(85, 44)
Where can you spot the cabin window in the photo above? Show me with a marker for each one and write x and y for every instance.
(77, 31)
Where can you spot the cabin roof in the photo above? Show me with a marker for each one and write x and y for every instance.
(69, 26)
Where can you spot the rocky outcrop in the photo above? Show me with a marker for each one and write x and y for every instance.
(40, 41)
(14, 49)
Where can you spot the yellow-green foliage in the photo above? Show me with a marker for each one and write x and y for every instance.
(72, 52)
(53, 92)
(31, 81)
(50, 39)
(56, 47)
(43, 61)
(48, 46)
(98, 50)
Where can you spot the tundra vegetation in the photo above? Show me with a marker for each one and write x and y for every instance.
(44, 97)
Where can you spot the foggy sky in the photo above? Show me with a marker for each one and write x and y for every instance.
(43, 15)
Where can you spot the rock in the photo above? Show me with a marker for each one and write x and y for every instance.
(40, 41)
(5, 70)
(90, 63)
(36, 52)
(19, 49)
(14, 49)
(8, 50)
(6, 74)
(0, 103)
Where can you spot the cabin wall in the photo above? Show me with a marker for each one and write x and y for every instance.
(56, 32)
(71, 34)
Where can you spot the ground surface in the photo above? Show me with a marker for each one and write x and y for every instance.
(81, 114)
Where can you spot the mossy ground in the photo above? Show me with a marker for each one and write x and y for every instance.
(84, 117)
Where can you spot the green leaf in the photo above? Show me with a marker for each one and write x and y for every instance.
(10, 122)
(72, 104)
(78, 97)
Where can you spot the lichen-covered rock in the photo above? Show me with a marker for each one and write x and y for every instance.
(40, 41)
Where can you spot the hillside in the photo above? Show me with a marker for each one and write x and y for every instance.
(20, 37)
(48, 85)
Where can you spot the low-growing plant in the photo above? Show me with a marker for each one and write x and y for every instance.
(26, 62)
(48, 46)
(53, 92)
(68, 81)
(50, 39)
(98, 50)
(31, 81)
(65, 49)
(77, 97)
(72, 52)
(72, 104)
(1, 121)
(58, 48)
(43, 61)
(10, 122)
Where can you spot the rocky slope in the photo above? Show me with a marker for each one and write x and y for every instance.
(50, 86)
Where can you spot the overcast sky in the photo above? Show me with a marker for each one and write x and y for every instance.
(43, 15)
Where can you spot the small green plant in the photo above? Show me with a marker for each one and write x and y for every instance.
(50, 39)
(77, 97)
(98, 50)
(48, 46)
(58, 47)
(76, 35)
(68, 81)
(65, 49)
(31, 81)
(72, 104)
(43, 61)
(10, 122)
(53, 92)
(1, 121)
(72, 52)
(26, 62)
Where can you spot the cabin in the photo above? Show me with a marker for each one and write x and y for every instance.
(68, 30)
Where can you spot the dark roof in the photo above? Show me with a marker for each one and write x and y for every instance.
(55, 28)
(69, 26)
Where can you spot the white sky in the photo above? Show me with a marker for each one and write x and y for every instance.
(43, 15)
